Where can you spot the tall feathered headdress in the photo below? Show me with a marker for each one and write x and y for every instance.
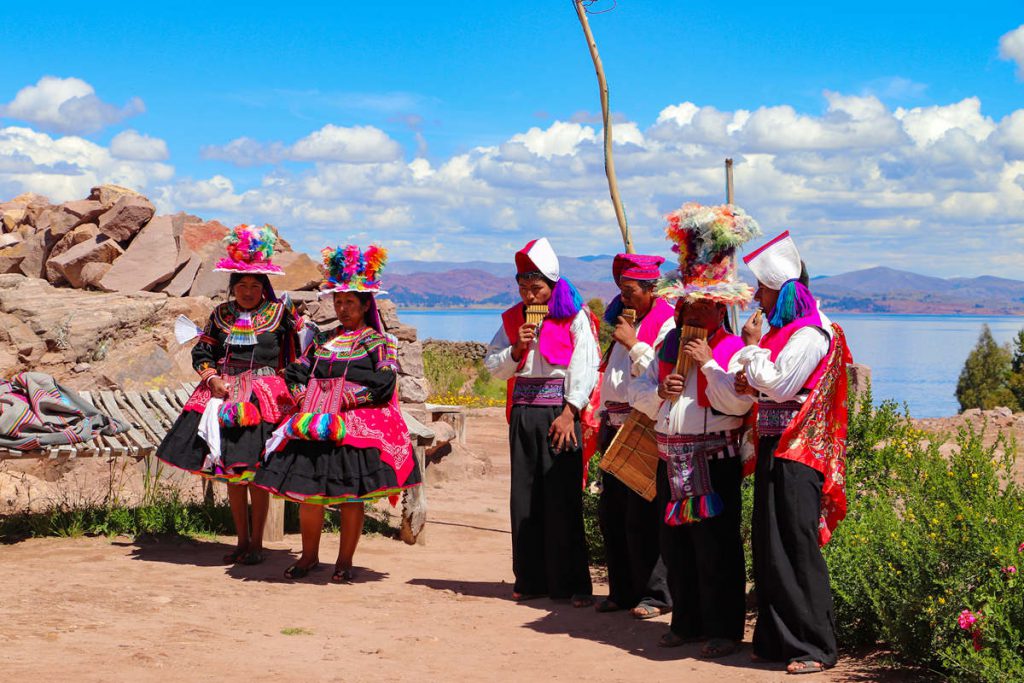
(249, 251)
(350, 269)
(706, 239)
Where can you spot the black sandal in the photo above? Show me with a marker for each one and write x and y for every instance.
(342, 575)
(253, 557)
(296, 572)
(235, 556)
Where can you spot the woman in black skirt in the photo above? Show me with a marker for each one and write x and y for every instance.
(348, 444)
(226, 422)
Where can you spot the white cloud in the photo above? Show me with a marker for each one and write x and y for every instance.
(355, 145)
(927, 124)
(351, 145)
(134, 146)
(67, 105)
(559, 139)
(859, 184)
(1011, 48)
(66, 167)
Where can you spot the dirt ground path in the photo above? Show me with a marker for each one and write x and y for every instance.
(98, 609)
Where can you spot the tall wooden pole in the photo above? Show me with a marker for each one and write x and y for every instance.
(734, 310)
(609, 161)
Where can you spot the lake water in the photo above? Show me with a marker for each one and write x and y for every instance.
(914, 359)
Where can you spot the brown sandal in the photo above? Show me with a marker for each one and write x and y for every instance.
(718, 647)
(805, 666)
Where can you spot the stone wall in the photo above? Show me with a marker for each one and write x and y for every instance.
(469, 351)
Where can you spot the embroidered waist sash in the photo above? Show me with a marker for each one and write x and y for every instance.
(615, 413)
(692, 498)
(773, 418)
(538, 391)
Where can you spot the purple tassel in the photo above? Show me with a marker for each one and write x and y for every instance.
(565, 301)
(794, 302)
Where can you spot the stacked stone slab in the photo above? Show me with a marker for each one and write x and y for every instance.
(113, 241)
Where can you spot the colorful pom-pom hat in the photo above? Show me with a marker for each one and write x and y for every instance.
(706, 239)
(249, 251)
(351, 269)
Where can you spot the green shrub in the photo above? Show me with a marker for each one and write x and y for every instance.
(445, 371)
(591, 526)
(930, 534)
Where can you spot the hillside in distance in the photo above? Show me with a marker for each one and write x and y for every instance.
(438, 284)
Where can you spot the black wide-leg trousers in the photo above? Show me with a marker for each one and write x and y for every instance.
(706, 569)
(549, 548)
(631, 527)
(795, 615)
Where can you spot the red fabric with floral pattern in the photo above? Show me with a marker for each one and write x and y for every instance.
(817, 435)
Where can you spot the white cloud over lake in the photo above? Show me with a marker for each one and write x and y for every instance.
(936, 189)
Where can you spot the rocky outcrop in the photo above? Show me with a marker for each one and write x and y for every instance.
(150, 260)
(126, 217)
(175, 254)
(98, 249)
(152, 267)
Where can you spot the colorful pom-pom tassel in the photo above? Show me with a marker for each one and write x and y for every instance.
(693, 510)
(315, 427)
(239, 414)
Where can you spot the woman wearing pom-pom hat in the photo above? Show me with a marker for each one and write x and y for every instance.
(222, 430)
(348, 443)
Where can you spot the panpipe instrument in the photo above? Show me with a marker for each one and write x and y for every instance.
(630, 315)
(684, 363)
(535, 313)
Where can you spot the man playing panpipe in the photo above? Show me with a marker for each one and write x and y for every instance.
(629, 524)
(797, 371)
(551, 368)
(690, 393)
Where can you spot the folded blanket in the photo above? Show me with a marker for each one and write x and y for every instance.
(37, 412)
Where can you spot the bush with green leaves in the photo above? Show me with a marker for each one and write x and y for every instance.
(926, 562)
(993, 374)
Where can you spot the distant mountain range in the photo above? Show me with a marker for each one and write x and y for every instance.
(438, 284)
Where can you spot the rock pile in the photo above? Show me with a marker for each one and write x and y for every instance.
(145, 269)
(112, 241)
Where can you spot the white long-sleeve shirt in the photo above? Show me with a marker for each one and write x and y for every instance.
(625, 364)
(685, 415)
(580, 375)
(782, 380)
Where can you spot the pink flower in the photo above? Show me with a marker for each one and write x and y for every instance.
(967, 619)
(1020, 548)
(1011, 570)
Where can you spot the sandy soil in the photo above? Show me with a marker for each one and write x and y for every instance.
(98, 609)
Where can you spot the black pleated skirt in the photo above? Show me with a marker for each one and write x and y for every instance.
(241, 449)
(324, 473)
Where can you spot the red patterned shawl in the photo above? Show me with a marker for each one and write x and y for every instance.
(817, 435)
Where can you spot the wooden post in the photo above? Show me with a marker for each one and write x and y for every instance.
(609, 161)
(729, 196)
(274, 530)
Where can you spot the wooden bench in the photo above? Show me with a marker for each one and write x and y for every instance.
(150, 414)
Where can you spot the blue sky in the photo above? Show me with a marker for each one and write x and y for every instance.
(880, 133)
